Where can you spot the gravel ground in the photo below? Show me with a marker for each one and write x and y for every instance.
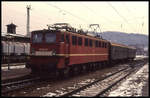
(54, 87)
(14, 73)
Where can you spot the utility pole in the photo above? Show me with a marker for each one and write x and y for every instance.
(28, 20)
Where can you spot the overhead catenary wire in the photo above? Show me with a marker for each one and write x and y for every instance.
(119, 14)
(93, 11)
(130, 12)
(68, 13)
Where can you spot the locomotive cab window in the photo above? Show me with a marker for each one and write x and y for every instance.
(37, 38)
(50, 37)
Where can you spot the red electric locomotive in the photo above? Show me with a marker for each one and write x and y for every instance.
(62, 49)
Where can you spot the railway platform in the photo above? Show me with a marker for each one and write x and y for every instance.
(14, 72)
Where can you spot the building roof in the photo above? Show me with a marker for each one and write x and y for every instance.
(16, 35)
(12, 25)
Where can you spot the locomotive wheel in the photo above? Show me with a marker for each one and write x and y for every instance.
(88, 67)
(33, 71)
(94, 66)
(84, 68)
(80, 68)
(76, 70)
(64, 73)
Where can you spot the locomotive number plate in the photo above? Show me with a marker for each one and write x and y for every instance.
(43, 53)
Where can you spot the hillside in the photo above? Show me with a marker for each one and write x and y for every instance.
(125, 38)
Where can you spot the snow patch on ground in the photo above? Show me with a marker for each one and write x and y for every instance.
(62, 91)
(133, 86)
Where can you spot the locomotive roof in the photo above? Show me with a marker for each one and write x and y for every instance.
(121, 45)
(78, 34)
(88, 36)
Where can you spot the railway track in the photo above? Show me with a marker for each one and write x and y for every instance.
(14, 86)
(101, 86)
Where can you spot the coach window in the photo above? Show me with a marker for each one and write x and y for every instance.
(86, 42)
(105, 45)
(67, 38)
(79, 41)
(90, 42)
(74, 40)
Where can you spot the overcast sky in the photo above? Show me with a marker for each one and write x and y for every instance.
(129, 17)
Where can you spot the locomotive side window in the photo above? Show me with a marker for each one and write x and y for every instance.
(96, 43)
(67, 38)
(74, 40)
(62, 38)
(37, 38)
(86, 42)
(99, 43)
(102, 44)
(50, 37)
(91, 43)
(79, 41)
(105, 45)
